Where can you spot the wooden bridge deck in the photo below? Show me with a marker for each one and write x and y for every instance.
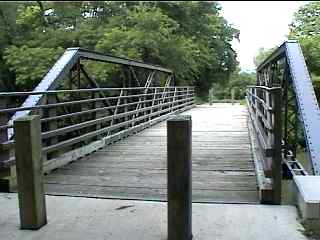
(135, 168)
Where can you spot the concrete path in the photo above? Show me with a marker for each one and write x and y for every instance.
(75, 218)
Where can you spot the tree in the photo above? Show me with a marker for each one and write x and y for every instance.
(240, 81)
(191, 38)
(262, 54)
(30, 64)
(7, 35)
(306, 29)
(306, 21)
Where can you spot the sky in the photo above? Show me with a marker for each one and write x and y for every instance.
(261, 24)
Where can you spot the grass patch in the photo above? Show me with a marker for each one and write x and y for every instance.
(311, 229)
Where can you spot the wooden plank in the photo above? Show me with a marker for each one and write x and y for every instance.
(154, 180)
(142, 166)
(92, 147)
(219, 152)
(161, 160)
(150, 193)
(135, 167)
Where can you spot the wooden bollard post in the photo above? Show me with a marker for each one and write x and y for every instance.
(32, 204)
(179, 130)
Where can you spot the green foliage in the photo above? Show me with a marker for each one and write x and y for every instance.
(306, 21)
(316, 85)
(262, 54)
(240, 81)
(191, 38)
(30, 64)
(306, 29)
(311, 50)
(311, 228)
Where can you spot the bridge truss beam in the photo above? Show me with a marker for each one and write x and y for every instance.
(71, 66)
(286, 68)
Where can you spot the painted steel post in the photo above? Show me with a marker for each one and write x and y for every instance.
(96, 114)
(32, 204)
(179, 129)
(174, 99)
(52, 125)
(276, 166)
(153, 101)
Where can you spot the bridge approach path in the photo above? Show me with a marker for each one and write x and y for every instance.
(135, 167)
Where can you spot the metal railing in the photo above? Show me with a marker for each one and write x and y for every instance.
(286, 67)
(264, 105)
(77, 122)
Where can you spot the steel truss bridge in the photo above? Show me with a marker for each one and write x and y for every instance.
(110, 141)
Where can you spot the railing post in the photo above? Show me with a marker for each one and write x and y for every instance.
(255, 90)
(276, 166)
(174, 99)
(52, 125)
(125, 108)
(116, 111)
(4, 154)
(153, 101)
(252, 96)
(186, 95)
(29, 172)
(96, 114)
(193, 93)
(158, 100)
(145, 105)
(269, 100)
(7, 173)
(179, 185)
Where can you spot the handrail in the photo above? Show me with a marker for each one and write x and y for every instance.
(262, 115)
(69, 115)
(87, 123)
(270, 89)
(70, 60)
(296, 79)
(264, 107)
(16, 94)
(9, 110)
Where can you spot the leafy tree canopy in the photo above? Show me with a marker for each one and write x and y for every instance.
(191, 38)
(306, 21)
(306, 29)
(262, 54)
